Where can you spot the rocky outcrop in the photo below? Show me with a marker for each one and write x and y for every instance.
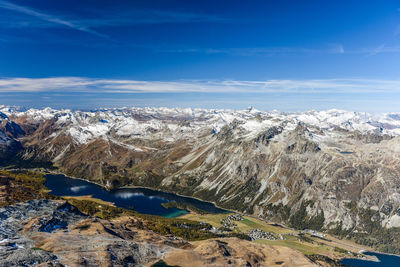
(9, 148)
(9, 145)
(55, 233)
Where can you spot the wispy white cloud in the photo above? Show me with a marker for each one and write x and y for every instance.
(337, 49)
(89, 85)
(279, 51)
(136, 16)
(113, 18)
(379, 50)
(48, 18)
(259, 51)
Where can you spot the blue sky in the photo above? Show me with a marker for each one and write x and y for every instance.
(285, 55)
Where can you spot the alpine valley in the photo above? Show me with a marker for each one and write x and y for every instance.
(332, 171)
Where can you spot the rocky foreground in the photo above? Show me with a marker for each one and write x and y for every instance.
(55, 233)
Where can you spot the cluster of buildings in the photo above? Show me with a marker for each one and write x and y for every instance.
(229, 221)
(228, 224)
(314, 233)
(235, 217)
(255, 234)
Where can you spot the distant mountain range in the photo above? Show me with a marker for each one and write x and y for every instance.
(332, 170)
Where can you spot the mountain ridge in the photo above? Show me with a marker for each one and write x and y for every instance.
(315, 169)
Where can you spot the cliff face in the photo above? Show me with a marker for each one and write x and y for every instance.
(9, 132)
(318, 168)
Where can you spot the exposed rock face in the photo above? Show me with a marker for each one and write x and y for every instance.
(16, 249)
(47, 231)
(54, 233)
(9, 147)
(262, 163)
(9, 131)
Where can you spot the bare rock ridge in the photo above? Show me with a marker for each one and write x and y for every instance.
(318, 167)
(54, 233)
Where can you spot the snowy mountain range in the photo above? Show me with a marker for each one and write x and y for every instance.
(269, 164)
(86, 126)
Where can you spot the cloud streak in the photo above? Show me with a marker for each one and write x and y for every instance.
(48, 18)
(115, 18)
(381, 49)
(90, 85)
(336, 49)
(259, 51)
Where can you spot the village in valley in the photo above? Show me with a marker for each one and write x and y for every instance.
(307, 241)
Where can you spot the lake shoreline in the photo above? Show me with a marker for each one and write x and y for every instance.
(142, 199)
(367, 258)
(144, 187)
(165, 191)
